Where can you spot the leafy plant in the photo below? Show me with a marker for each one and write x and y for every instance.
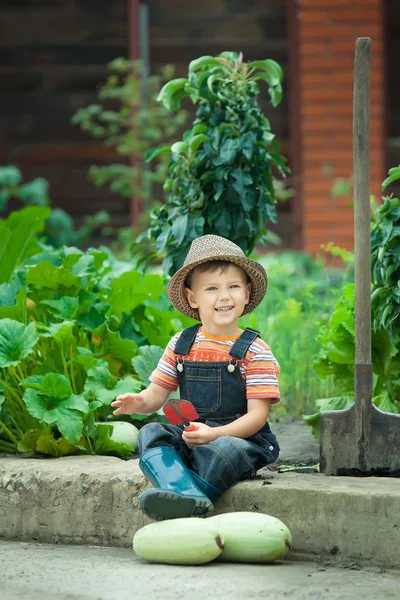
(220, 177)
(337, 339)
(385, 260)
(129, 119)
(76, 329)
(59, 225)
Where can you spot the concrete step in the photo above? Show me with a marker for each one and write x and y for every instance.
(95, 500)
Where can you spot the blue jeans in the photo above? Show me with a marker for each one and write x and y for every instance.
(222, 462)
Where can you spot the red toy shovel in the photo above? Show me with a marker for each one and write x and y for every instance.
(181, 412)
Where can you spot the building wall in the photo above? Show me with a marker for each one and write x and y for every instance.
(53, 56)
(392, 71)
(327, 30)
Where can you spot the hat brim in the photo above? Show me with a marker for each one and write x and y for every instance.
(255, 271)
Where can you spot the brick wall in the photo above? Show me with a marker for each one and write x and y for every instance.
(326, 35)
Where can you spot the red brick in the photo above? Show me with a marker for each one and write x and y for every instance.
(340, 30)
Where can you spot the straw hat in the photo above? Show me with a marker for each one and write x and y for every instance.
(213, 247)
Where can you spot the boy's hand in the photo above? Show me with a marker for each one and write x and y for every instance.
(128, 404)
(202, 435)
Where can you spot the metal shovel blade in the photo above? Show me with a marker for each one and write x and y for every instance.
(180, 412)
(361, 440)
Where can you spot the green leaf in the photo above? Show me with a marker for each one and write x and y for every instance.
(29, 439)
(45, 275)
(179, 147)
(48, 445)
(14, 308)
(228, 151)
(162, 240)
(66, 414)
(154, 152)
(18, 238)
(197, 140)
(16, 341)
(179, 228)
(273, 69)
(105, 446)
(56, 386)
(147, 360)
(172, 92)
(65, 308)
(100, 383)
(394, 175)
(203, 61)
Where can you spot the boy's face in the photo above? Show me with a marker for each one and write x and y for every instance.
(220, 298)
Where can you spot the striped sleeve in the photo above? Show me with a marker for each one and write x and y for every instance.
(262, 372)
(165, 373)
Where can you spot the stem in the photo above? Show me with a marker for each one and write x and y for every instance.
(20, 371)
(9, 433)
(8, 448)
(6, 445)
(14, 375)
(72, 373)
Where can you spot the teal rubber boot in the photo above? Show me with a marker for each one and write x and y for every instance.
(208, 489)
(176, 493)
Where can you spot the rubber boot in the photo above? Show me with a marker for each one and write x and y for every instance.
(176, 495)
(208, 489)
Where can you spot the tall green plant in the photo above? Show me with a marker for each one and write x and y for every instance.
(128, 118)
(220, 177)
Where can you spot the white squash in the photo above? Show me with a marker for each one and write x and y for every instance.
(251, 537)
(189, 541)
(123, 432)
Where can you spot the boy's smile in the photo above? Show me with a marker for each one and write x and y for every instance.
(220, 296)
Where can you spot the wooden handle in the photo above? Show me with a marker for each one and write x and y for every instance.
(362, 240)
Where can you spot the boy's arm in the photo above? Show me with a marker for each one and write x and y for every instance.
(146, 402)
(155, 397)
(248, 424)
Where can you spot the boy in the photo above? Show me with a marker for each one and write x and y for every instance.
(228, 374)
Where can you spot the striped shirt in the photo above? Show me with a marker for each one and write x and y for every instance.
(259, 368)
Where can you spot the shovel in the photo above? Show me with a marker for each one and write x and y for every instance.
(181, 412)
(361, 440)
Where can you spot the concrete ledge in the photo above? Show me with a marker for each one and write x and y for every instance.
(95, 500)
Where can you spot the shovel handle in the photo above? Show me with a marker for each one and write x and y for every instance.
(362, 235)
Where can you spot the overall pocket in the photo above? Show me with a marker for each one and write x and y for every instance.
(204, 389)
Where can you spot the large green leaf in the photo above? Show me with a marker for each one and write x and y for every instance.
(64, 308)
(16, 341)
(147, 360)
(13, 301)
(46, 275)
(65, 413)
(18, 238)
(47, 444)
(100, 382)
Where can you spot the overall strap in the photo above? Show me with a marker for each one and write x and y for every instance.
(242, 344)
(186, 339)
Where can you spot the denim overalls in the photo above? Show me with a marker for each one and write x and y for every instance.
(219, 396)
